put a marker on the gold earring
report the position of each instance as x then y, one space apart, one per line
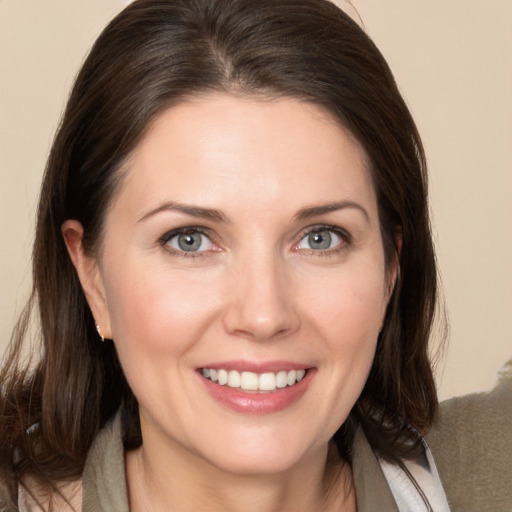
98 328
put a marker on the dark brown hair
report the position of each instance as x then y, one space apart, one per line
152 55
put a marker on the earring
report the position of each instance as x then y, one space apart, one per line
98 328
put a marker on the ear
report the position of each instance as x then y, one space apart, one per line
394 264
89 275
393 271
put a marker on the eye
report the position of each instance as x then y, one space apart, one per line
189 240
321 239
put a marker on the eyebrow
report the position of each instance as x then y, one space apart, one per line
194 211
218 216
315 211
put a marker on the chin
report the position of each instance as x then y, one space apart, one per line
260 454
247 464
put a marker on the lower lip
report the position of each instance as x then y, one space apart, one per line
258 403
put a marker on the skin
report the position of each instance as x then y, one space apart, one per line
257 290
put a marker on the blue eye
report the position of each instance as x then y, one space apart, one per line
190 240
320 239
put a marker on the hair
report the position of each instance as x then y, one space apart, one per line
152 55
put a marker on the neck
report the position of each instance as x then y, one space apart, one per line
322 482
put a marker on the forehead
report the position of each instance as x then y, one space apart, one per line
222 147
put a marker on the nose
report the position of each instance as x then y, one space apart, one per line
262 305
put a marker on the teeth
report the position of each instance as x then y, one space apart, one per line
250 381
267 382
234 379
281 379
222 376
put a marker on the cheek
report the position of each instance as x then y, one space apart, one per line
344 317
352 326
156 310
158 319
350 307
347 316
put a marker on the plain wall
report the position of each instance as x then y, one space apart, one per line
453 62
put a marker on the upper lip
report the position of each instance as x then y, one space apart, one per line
257 366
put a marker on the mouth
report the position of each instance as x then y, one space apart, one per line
251 382
257 388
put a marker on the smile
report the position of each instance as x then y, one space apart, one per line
249 381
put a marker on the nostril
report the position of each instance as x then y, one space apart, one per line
262 306
262 327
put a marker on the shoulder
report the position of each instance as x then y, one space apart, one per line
472 446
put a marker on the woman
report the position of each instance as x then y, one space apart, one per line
234 275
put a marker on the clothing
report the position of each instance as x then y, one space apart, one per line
472 447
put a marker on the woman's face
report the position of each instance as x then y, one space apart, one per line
243 244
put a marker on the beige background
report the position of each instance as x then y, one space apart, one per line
453 61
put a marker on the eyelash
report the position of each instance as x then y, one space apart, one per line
165 239
342 234
345 237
